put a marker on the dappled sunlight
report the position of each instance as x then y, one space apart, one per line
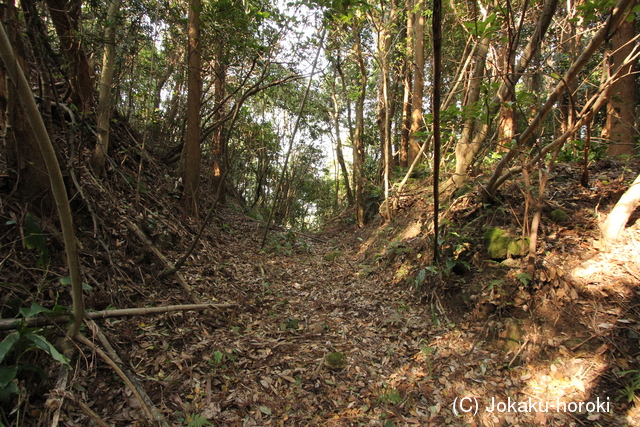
611 268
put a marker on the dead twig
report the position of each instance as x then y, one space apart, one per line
121 374
116 358
41 321
140 234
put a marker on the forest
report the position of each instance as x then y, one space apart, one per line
319 213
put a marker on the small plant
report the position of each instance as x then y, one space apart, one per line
196 420
390 395
422 274
427 351
524 278
17 345
632 387
34 239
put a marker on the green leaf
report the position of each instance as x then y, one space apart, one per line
45 345
65 280
34 368
422 274
7 391
265 410
7 374
34 239
33 311
8 343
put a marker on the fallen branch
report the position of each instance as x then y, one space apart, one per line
121 374
169 266
183 259
134 381
123 312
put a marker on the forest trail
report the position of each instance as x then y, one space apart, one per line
350 327
308 302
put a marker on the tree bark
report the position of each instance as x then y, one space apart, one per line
407 79
418 83
191 166
65 15
103 119
339 153
464 151
23 155
619 128
358 135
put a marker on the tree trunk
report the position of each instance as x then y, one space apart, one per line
465 158
65 15
386 21
339 154
418 83
617 219
106 79
23 155
408 89
437 83
358 136
191 166
219 142
464 151
619 128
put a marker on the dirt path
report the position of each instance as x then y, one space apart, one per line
402 361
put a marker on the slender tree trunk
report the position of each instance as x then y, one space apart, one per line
218 142
418 83
386 21
106 79
437 83
464 151
619 128
466 154
191 172
407 79
339 154
358 141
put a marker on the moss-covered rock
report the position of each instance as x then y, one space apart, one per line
335 361
501 244
559 215
332 255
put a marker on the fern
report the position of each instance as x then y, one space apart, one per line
198 421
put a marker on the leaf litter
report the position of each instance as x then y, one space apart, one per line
408 348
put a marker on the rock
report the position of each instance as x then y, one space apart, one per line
559 215
335 361
332 255
501 244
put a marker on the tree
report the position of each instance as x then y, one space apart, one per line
358 134
23 156
65 15
619 128
191 165
418 82
103 119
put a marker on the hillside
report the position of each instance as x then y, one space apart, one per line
346 326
